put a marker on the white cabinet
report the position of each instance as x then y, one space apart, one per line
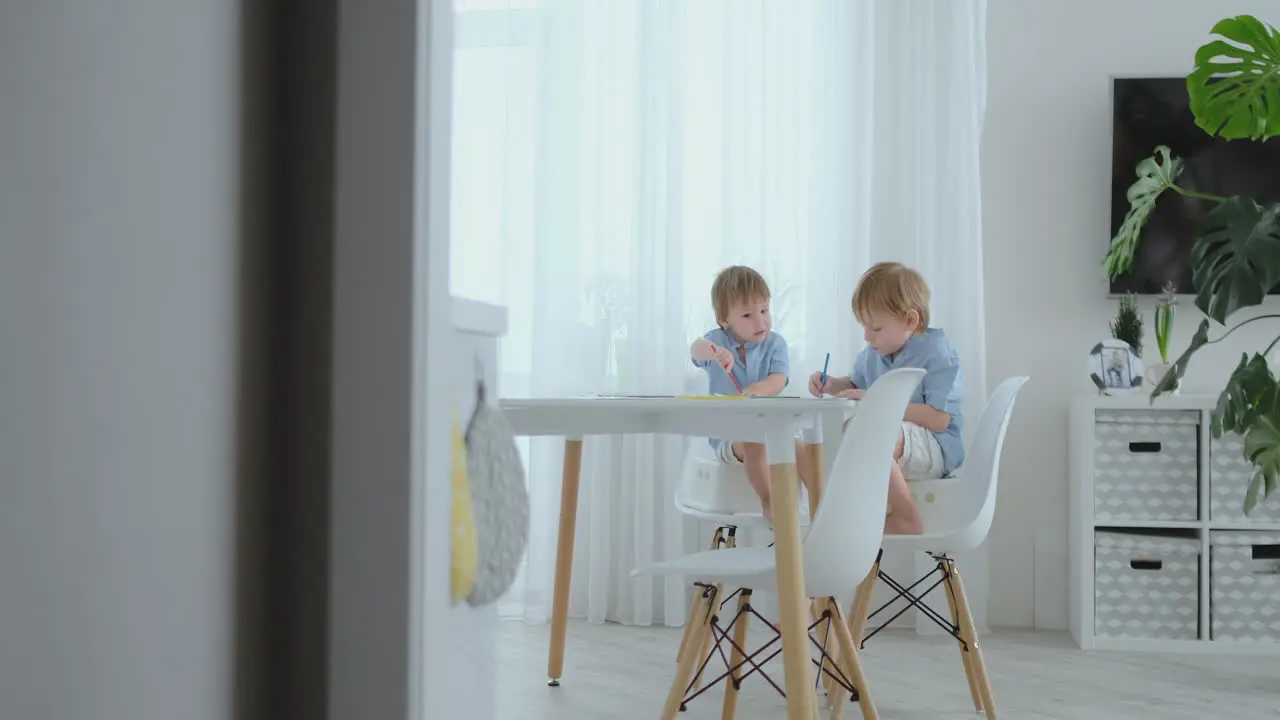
1162 556
473 631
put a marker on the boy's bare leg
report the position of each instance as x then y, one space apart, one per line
807 472
756 462
903 517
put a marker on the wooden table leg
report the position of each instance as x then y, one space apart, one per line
801 699
564 557
817 480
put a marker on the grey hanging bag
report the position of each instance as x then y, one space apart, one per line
499 500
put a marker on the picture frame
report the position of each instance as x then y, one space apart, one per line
1114 368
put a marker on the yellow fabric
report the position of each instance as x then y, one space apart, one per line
464 553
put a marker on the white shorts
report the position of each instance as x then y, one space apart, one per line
724 453
921 453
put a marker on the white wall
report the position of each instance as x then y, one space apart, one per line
390 652
1046 178
124 258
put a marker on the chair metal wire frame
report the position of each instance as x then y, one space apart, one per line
942 568
828 670
966 637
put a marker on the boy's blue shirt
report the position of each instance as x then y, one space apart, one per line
763 359
942 387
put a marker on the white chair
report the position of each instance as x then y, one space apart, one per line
842 543
718 493
714 492
957 524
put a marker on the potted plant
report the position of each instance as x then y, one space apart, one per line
1127 325
1164 329
1236 258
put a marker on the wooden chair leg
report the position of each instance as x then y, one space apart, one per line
969 634
689 624
729 541
825 631
833 649
862 604
944 566
857 616
708 640
689 661
690 621
851 666
730 707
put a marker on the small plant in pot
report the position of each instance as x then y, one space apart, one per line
1235 94
1127 325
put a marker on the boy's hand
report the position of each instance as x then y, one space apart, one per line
834 386
723 358
853 394
817 385
704 350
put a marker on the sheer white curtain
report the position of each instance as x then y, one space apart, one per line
610 156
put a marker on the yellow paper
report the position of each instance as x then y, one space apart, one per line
464 554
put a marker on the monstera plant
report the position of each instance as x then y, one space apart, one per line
1235 94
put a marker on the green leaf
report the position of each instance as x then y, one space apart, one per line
1155 175
1235 87
1174 376
1238 404
1236 259
1262 448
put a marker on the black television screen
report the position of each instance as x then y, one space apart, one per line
1149 112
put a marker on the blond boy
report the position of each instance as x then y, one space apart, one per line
744 346
891 303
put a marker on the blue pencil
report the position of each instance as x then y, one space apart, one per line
825 365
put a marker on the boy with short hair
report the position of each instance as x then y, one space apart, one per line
891 302
744 345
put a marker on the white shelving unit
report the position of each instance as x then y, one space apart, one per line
472 632
1150 478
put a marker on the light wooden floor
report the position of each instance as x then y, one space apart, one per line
613 671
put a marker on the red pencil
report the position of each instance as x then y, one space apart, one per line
734 379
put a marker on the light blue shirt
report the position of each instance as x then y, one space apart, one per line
942 387
762 359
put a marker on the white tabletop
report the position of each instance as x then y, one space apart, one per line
660 403
748 419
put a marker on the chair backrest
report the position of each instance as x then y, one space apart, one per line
981 471
846 532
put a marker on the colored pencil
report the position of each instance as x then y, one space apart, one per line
825 365
734 379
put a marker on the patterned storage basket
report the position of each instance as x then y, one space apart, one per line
1229 475
1244 574
1146 465
1146 586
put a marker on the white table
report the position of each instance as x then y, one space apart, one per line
773 421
